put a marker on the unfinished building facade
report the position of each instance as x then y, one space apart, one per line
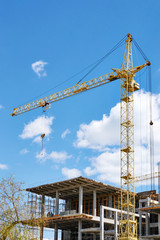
82 208
73 206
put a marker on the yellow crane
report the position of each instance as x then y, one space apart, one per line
127 224
147 176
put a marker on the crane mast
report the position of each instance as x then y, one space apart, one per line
127 224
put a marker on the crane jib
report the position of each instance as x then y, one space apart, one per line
96 82
44 102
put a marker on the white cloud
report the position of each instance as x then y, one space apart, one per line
90 171
106 165
38 68
57 157
104 135
64 134
37 139
24 151
99 134
42 156
35 128
3 167
71 173
1 106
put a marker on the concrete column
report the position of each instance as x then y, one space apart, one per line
94 203
147 204
79 230
140 204
68 205
43 205
94 209
159 224
57 203
42 215
94 234
55 232
101 223
110 205
147 224
66 235
80 200
115 226
159 178
140 224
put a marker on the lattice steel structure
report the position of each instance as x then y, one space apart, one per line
128 225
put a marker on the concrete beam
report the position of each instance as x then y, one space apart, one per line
106 220
90 230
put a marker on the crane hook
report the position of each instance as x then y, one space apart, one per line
151 123
42 136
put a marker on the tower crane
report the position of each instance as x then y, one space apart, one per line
127 224
146 176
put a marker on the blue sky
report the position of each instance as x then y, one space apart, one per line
44 43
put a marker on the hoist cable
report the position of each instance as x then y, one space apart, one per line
151 131
140 50
151 122
103 58
58 85
146 128
96 63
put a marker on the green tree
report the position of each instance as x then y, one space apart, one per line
13 210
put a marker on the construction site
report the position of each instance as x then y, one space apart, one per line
86 209
82 208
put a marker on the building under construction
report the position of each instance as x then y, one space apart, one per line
82 208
